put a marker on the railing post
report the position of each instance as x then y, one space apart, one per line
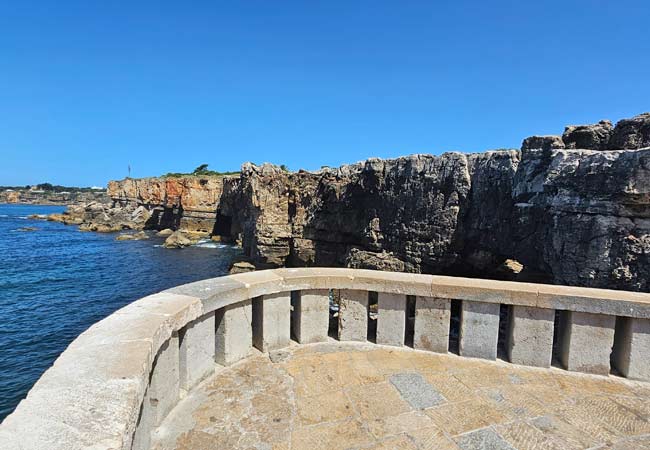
311 315
144 426
391 319
632 348
164 384
530 336
479 329
234 334
353 315
272 321
197 350
432 319
586 341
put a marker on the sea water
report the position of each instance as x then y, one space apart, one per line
56 281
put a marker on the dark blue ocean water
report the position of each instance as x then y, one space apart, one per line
57 281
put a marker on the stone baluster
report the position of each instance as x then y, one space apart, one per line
479 329
272 321
353 315
586 341
311 315
632 348
391 319
197 350
234 333
432 319
530 336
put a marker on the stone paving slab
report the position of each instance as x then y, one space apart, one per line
354 396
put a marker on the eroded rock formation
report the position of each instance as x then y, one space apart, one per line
570 216
185 203
571 209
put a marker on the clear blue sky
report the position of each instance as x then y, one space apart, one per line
88 87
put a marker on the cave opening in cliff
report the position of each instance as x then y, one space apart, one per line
222 225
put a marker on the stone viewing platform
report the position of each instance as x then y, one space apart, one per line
407 361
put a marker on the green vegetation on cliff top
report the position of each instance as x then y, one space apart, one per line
202 170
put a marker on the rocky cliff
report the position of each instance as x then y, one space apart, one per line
186 203
571 209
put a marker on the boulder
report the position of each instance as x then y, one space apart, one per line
360 259
241 267
631 133
166 232
590 137
542 143
177 239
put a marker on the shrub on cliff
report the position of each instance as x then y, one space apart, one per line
202 170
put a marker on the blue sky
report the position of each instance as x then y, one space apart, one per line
87 88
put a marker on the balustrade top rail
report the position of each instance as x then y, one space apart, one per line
92 395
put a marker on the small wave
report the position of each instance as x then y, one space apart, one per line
207 243
4 215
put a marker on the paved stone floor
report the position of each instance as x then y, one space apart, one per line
363 396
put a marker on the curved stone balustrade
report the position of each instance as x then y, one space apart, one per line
118 380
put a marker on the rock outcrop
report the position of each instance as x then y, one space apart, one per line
583 216
595 136
550 212
186 203
417 213
178 239
571 209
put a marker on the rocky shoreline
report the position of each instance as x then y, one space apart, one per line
571 209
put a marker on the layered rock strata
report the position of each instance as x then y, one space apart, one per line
569 216
571 209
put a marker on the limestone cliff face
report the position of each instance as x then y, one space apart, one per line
572 209
187 203
584 216
429 212
570 216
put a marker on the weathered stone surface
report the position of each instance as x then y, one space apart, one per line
415 390
479 329
631 354
271 321
583 217
594 137
631 133
586 341
391 319
197 350
530 336
329 396
311 315
567 216
234 334
177 239
163 390
431 328
545 143
353 315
